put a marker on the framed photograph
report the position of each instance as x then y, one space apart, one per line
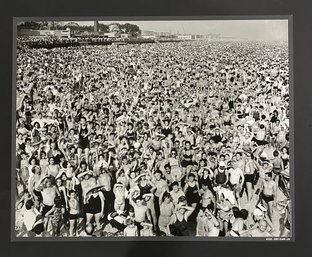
153 129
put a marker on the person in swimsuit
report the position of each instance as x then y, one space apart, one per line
74 211
83 141
224 213
249 173
176 192
63 193
212 224
147 229
160 185
166 211
104 179
176 169
149 202
269 193
191 190
236 180
285 157
131 229
238 225
48 192
56 216
208 199
187 158
278 167
141 212
120 196
221 176
178 225
146 186
263 228
52 169
205 177
34 184
94 207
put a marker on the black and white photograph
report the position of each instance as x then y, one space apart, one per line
152 129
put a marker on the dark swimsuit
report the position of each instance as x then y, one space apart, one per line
166 131
220 178
145 190
83 142
94 205
267 198
206 181
179 228
187 160
191 196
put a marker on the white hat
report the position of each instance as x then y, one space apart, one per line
94 189
257 212
138 177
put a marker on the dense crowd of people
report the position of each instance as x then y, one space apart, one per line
171 139
50 42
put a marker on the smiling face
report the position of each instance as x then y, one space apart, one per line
51 161
59 182
263 225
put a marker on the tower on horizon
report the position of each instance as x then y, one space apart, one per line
96 26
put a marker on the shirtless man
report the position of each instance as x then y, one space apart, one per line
34 184
269 193
207 198
236 180
262 229
105 180
176 192
140 211
160 185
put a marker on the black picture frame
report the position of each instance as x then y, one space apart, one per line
302 123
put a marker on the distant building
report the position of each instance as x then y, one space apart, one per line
112 34
148 34
45 33
186 37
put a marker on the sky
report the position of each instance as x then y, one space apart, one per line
244 29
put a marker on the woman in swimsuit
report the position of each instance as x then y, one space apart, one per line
191 190
178 225
166 211
83 141
205 177
52 169
285 156
176 169
94 207
187 157
120 197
